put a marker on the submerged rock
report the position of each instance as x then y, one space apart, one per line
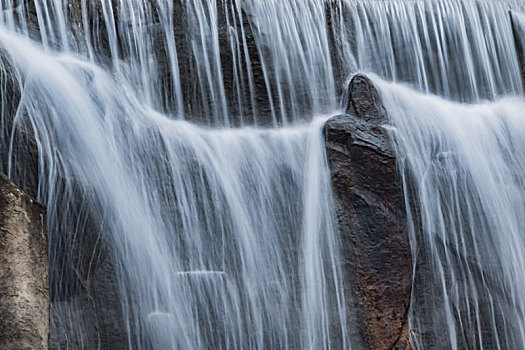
372 219
24 287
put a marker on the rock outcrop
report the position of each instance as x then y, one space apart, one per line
372 219
24 287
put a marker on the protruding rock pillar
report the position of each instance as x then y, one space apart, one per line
24 291
372 219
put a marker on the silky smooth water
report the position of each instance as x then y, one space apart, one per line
225 237
464 166
272 63
222 62
461 50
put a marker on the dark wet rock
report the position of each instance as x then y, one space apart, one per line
18 148
372 219
24 289
92 317
518 30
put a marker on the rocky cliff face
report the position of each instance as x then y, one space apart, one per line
24 287
372 219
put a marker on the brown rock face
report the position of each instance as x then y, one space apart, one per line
372 219
24 291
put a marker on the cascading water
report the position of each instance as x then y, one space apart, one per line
220 239
226 238
463 50
466 164
223 62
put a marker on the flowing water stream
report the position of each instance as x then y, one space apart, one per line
147 123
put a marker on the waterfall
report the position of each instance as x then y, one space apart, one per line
223 238
274 63
178 146
262 62
466 165
461 50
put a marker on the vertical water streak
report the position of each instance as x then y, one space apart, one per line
295 58
461 50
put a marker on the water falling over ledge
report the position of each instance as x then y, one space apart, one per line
172 198
465 164
120 116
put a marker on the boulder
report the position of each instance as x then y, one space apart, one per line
24 287
370 209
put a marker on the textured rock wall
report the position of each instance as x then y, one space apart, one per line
24 291
372 219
